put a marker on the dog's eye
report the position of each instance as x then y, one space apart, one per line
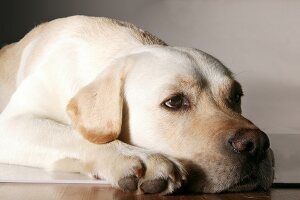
236 99
177 102
236 94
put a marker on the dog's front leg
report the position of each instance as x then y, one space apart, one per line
35 141
129 168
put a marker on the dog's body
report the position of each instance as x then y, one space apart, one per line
71 86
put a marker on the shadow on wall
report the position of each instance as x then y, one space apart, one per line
274 97
19 17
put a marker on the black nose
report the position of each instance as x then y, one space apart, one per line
249 141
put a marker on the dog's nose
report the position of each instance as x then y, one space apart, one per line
250 141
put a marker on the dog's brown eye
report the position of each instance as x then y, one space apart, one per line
236 99
236 94
177 102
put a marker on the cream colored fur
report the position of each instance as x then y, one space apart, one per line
83 94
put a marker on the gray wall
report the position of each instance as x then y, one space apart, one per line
259 40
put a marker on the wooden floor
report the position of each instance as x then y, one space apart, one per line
13 191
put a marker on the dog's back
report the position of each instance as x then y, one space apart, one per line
13 56
9 61
10 57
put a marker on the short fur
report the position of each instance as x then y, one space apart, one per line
85 94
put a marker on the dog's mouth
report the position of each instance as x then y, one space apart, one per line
247 183
256 179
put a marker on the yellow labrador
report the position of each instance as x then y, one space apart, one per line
107 99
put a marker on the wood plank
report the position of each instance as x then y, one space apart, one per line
17 191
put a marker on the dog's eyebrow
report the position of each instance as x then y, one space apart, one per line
188 82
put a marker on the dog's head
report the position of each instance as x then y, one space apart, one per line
181 102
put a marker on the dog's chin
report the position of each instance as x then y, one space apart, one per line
253 182
250 184
247 184
230 181
225 175
261 180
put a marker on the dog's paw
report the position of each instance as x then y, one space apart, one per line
145 173
163 175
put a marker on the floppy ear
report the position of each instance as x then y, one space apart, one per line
96 110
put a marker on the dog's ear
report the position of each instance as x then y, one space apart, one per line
96 110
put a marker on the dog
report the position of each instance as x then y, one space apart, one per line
104 98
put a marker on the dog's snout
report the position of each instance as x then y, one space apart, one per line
250 141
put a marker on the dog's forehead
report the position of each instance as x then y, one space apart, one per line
209 68
178 65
